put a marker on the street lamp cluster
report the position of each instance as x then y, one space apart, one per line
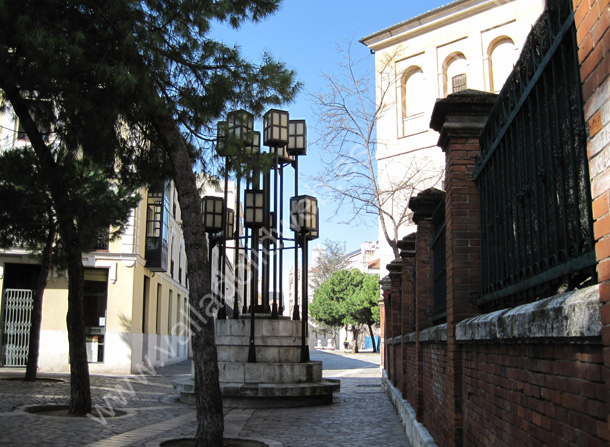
263 216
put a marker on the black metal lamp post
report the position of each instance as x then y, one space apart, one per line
297 145
304 221
275 136
254 218
232 135
212 208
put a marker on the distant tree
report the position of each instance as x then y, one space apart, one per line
347 112
348 297
331 260
362 307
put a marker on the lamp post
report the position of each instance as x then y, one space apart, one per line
304 221
212 208
275 136
297 145
286 139
254 218
233 135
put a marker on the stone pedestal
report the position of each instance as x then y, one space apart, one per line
277 379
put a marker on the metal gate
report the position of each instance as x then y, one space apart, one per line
17 305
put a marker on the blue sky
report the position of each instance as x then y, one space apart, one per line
304 34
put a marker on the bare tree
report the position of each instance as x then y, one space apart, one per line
347 114
330 260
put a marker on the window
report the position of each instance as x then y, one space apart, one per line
458 82
153 214
502 57
412 92
95 303
169 312
145 303
455 69
159 308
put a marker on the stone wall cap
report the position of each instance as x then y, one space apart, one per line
395 266
425 203
571 315
464 103
434 334
407 245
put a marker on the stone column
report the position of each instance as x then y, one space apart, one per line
460 118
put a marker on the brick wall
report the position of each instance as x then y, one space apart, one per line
411 378
523 395
592 20
515 390
435 392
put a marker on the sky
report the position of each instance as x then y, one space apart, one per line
304 35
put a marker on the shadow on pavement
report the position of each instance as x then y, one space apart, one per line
341 361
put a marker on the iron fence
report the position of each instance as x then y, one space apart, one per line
536 222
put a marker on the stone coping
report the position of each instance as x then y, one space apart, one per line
410 337
434 334
574 315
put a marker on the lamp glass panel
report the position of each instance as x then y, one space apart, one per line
258 215
249 217
259 200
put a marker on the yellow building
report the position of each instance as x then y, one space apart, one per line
136 296
136 291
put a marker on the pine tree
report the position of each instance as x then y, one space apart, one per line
147 70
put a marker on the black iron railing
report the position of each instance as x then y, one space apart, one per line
439 312
536 223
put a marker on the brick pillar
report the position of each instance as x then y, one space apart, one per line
407 253
592 21
384 303
460 119
395 269
423 206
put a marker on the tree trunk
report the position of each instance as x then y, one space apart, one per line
80 390
210 422
34 344
355 333
372 338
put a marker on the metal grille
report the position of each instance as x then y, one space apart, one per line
439 312
18 305
536 223
459 83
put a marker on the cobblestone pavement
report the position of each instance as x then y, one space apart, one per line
361 414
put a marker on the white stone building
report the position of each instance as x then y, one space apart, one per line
465 44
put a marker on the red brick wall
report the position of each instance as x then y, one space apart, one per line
407 318
592 20
411 383
522 395
435 392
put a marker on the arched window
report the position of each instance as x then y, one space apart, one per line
455 70
413 88
502 57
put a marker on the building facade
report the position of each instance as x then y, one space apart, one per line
467 44
495 316
136 287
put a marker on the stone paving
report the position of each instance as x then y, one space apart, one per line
361 414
